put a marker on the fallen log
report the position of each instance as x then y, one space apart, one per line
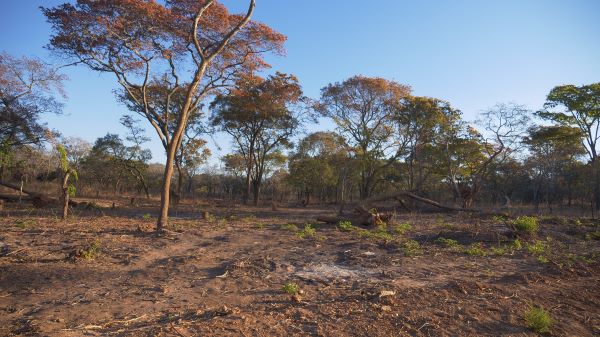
363 217
413 196
360 217
37 199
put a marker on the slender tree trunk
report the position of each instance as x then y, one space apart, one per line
248 188
256 185
179 181
163 217
65 195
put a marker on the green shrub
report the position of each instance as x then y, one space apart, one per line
402 228
450 243
411 248
526 224
476 249
498 250
380 232
539 247
290 288
538 319
346 226
92 251
308 231
517 245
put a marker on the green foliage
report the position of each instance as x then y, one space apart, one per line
402 228
290 227
517 245
260 225
476 249
538 319
92 251
71 190
290 288
526 224
499 250
450 243
62 152
538 248
379 233
411 248
147 216
308 231
346 226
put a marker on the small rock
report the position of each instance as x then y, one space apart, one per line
386 308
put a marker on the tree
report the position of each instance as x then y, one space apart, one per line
421 123
363 109
581 109
469 154
553 150
320 164
261 115
192 155
66 171
27 90
151 48
110 153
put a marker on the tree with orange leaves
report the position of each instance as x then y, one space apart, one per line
184 48
261 115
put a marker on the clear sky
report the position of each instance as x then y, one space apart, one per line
473 53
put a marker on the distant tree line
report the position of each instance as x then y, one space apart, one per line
190 69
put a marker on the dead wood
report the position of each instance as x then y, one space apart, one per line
37 199
361 216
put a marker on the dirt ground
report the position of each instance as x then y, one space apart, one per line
104 273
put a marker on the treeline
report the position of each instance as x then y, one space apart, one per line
190 68
386 140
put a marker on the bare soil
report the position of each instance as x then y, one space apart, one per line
104 272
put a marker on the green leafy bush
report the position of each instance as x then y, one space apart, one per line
450 243
526 224
538 248
538 319
92 251
308 231
402 228
380 232
346 226
476 249
411 248
290 288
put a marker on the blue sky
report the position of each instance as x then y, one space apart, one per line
472 53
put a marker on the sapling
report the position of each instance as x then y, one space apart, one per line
67 189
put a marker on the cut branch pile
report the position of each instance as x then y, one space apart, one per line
37 199
361 216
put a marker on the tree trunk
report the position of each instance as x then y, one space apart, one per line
163 217
256 190
65 195
248 188
179 181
